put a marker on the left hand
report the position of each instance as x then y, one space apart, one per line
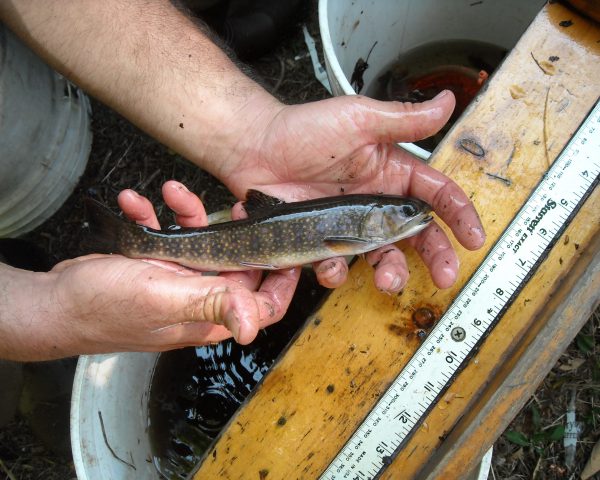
347 145
271 293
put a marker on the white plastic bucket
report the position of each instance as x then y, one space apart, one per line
350 29
45 138
109 417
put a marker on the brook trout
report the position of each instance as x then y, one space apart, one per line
275 235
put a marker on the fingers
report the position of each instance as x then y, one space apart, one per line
241 302
138 208
449 201
188 208
434 248
276 290
238 212
241 312
203 304
275 294
249 279
391 269
331 273
436 251
386 122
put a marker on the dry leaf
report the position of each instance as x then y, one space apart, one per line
572 364
593 464
516 92
547 67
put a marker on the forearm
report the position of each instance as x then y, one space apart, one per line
152 64
24 314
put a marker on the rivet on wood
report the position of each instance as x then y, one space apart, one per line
423 318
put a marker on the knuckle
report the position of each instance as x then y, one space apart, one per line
207 308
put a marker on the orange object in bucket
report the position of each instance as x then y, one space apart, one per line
463 81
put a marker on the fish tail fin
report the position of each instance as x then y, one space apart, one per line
105 228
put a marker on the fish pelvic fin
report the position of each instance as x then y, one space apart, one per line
261 266
104 228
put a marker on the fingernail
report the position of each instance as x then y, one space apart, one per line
442 94
326 266
232 322
396 283
450 274
481 233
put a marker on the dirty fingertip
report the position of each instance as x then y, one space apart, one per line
390 281
445 277
479 236
238 211
241 328
331 273
470 231
442 94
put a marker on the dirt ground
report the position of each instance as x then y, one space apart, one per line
123 157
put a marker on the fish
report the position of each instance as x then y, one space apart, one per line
275 235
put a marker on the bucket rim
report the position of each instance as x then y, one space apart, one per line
331 61
75 417
330 54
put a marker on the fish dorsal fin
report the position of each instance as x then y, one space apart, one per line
259 203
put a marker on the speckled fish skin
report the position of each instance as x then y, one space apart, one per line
280 234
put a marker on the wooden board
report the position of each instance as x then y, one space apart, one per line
358 341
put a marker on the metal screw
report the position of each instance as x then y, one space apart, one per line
458 334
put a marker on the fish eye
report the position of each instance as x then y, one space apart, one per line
409 210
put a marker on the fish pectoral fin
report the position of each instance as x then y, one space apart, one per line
345 245
261 266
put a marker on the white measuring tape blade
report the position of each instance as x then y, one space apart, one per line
477 308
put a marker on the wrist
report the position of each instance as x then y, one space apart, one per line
28 319
237 139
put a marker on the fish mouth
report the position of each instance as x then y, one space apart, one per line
426 220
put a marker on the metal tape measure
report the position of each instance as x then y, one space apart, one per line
481 303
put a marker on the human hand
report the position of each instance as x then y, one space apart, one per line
112 303
347 145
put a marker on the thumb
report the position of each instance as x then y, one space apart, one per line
386 122
236 309
205 300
